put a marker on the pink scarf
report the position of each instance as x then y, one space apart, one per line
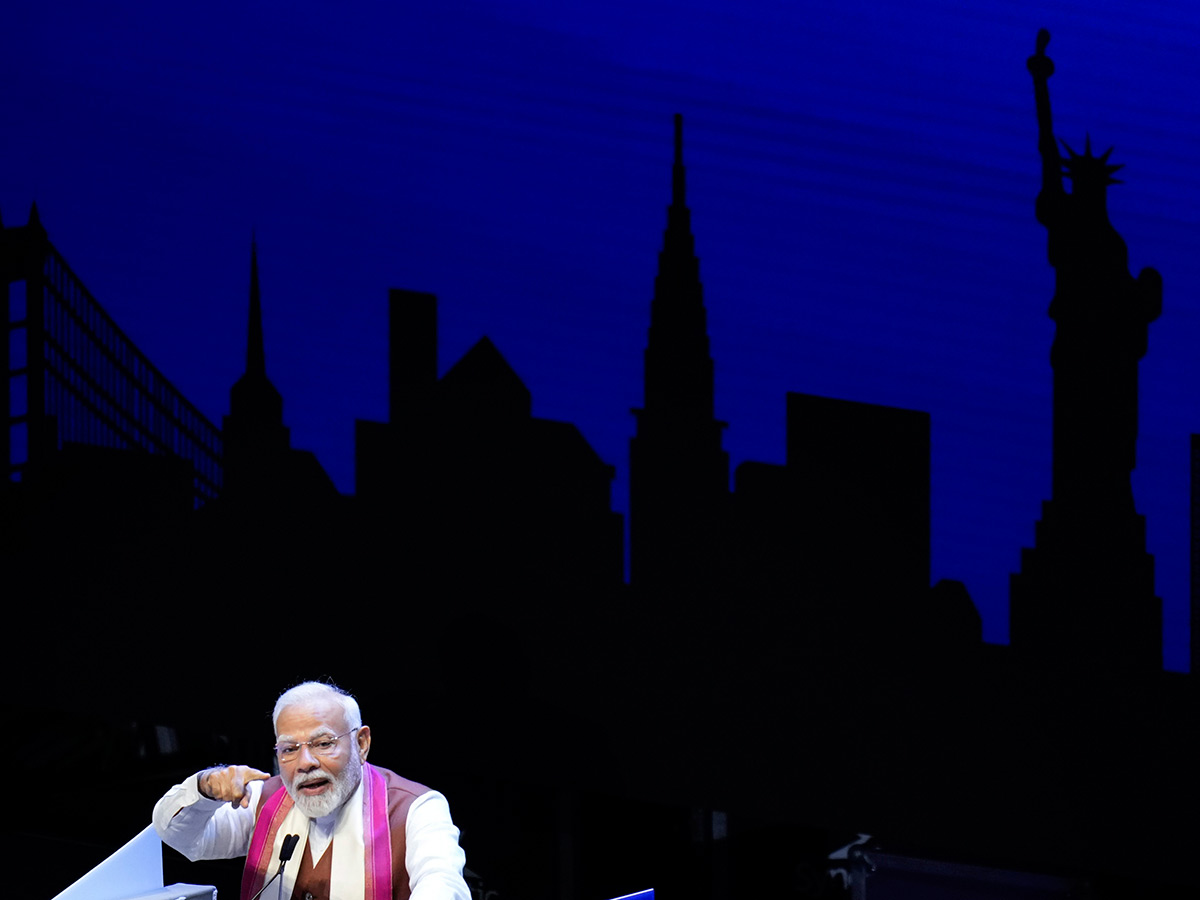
377 838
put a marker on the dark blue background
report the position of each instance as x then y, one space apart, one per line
861 175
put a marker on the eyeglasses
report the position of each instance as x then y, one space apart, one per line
322 746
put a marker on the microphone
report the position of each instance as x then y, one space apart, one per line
285 853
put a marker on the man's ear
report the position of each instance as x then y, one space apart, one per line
364 741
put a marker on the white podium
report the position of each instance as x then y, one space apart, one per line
134 873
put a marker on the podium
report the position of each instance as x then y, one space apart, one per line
134 873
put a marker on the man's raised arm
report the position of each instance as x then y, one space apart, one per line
211 814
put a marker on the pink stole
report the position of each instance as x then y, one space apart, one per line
377 838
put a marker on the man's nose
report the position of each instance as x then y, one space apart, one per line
306 760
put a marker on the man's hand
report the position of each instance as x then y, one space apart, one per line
229 783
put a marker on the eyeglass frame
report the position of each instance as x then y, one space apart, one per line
279 753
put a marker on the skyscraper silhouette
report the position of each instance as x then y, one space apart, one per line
470 482
74 379
678 471
260 465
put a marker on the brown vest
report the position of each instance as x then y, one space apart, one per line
312 882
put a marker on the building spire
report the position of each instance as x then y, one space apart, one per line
679 473
256 439
678 174
256 360
253 397
678 364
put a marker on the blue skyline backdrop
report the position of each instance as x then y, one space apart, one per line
861 179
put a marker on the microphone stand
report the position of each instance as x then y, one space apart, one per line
285 853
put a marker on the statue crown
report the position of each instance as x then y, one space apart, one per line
1087 170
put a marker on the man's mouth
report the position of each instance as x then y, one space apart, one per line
313 786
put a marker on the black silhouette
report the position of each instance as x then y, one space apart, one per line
678 473
777 676
261 468
1088 587
465 473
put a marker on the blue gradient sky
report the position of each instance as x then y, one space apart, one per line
861 176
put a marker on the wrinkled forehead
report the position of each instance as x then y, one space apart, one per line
309 719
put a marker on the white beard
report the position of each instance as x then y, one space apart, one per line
331 800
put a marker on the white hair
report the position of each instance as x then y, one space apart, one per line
309 691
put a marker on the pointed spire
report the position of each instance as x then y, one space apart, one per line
255 420
678 364
678 253
256 362
33 215
679 473
678 182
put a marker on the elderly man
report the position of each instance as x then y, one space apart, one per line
364 832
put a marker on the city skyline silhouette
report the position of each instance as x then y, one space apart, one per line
842 235
808 637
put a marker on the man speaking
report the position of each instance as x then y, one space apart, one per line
364 832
